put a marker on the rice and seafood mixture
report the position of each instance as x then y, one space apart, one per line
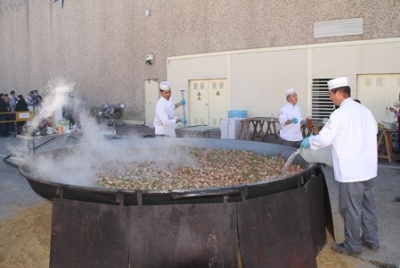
208 168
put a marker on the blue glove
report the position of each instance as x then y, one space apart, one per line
294 120
183 120
305 143
182 102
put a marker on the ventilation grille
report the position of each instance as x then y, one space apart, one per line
338 28
322 105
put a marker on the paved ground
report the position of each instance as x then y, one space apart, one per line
16 194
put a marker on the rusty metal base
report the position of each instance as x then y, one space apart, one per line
201 235
284 229
275 231
87 234
98 235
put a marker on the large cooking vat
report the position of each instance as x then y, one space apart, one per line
280 223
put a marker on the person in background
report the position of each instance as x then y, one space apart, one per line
6 99
68 110
29 100
37 99
10 117
13 102
164 119
352 132
290 120
397 115
21 106
4 108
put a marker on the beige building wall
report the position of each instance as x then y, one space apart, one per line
100 45
259 78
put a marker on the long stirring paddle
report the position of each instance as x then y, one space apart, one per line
184 115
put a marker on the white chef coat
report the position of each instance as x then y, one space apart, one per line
352 131
164 120
290 132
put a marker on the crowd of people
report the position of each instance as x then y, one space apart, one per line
11 103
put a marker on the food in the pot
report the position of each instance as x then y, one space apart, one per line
211 168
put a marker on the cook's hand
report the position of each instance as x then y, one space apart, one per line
182 102
294 120
393 110
305 143
183 120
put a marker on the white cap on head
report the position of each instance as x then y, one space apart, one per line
338 82
397 105
289 91
165 85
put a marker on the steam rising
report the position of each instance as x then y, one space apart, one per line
78 160
78 165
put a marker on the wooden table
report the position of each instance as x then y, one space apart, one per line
271 126
313 129
385 141
258 127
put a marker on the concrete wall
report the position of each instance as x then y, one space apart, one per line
100 45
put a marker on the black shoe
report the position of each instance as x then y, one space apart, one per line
339 248
370 247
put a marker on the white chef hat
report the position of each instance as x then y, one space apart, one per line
396 104
165 85
289 91
338 82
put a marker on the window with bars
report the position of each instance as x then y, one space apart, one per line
322 105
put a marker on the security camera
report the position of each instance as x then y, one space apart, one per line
150 59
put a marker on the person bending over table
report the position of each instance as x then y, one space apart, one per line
290 120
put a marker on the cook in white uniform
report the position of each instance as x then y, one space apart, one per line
164 119
397 115
352 132
290 120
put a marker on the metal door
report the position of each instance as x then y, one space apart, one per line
208 102
217 101
378 92
152 94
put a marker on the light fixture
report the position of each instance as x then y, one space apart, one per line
150 59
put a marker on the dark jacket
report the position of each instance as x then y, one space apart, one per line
3 106
21 106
